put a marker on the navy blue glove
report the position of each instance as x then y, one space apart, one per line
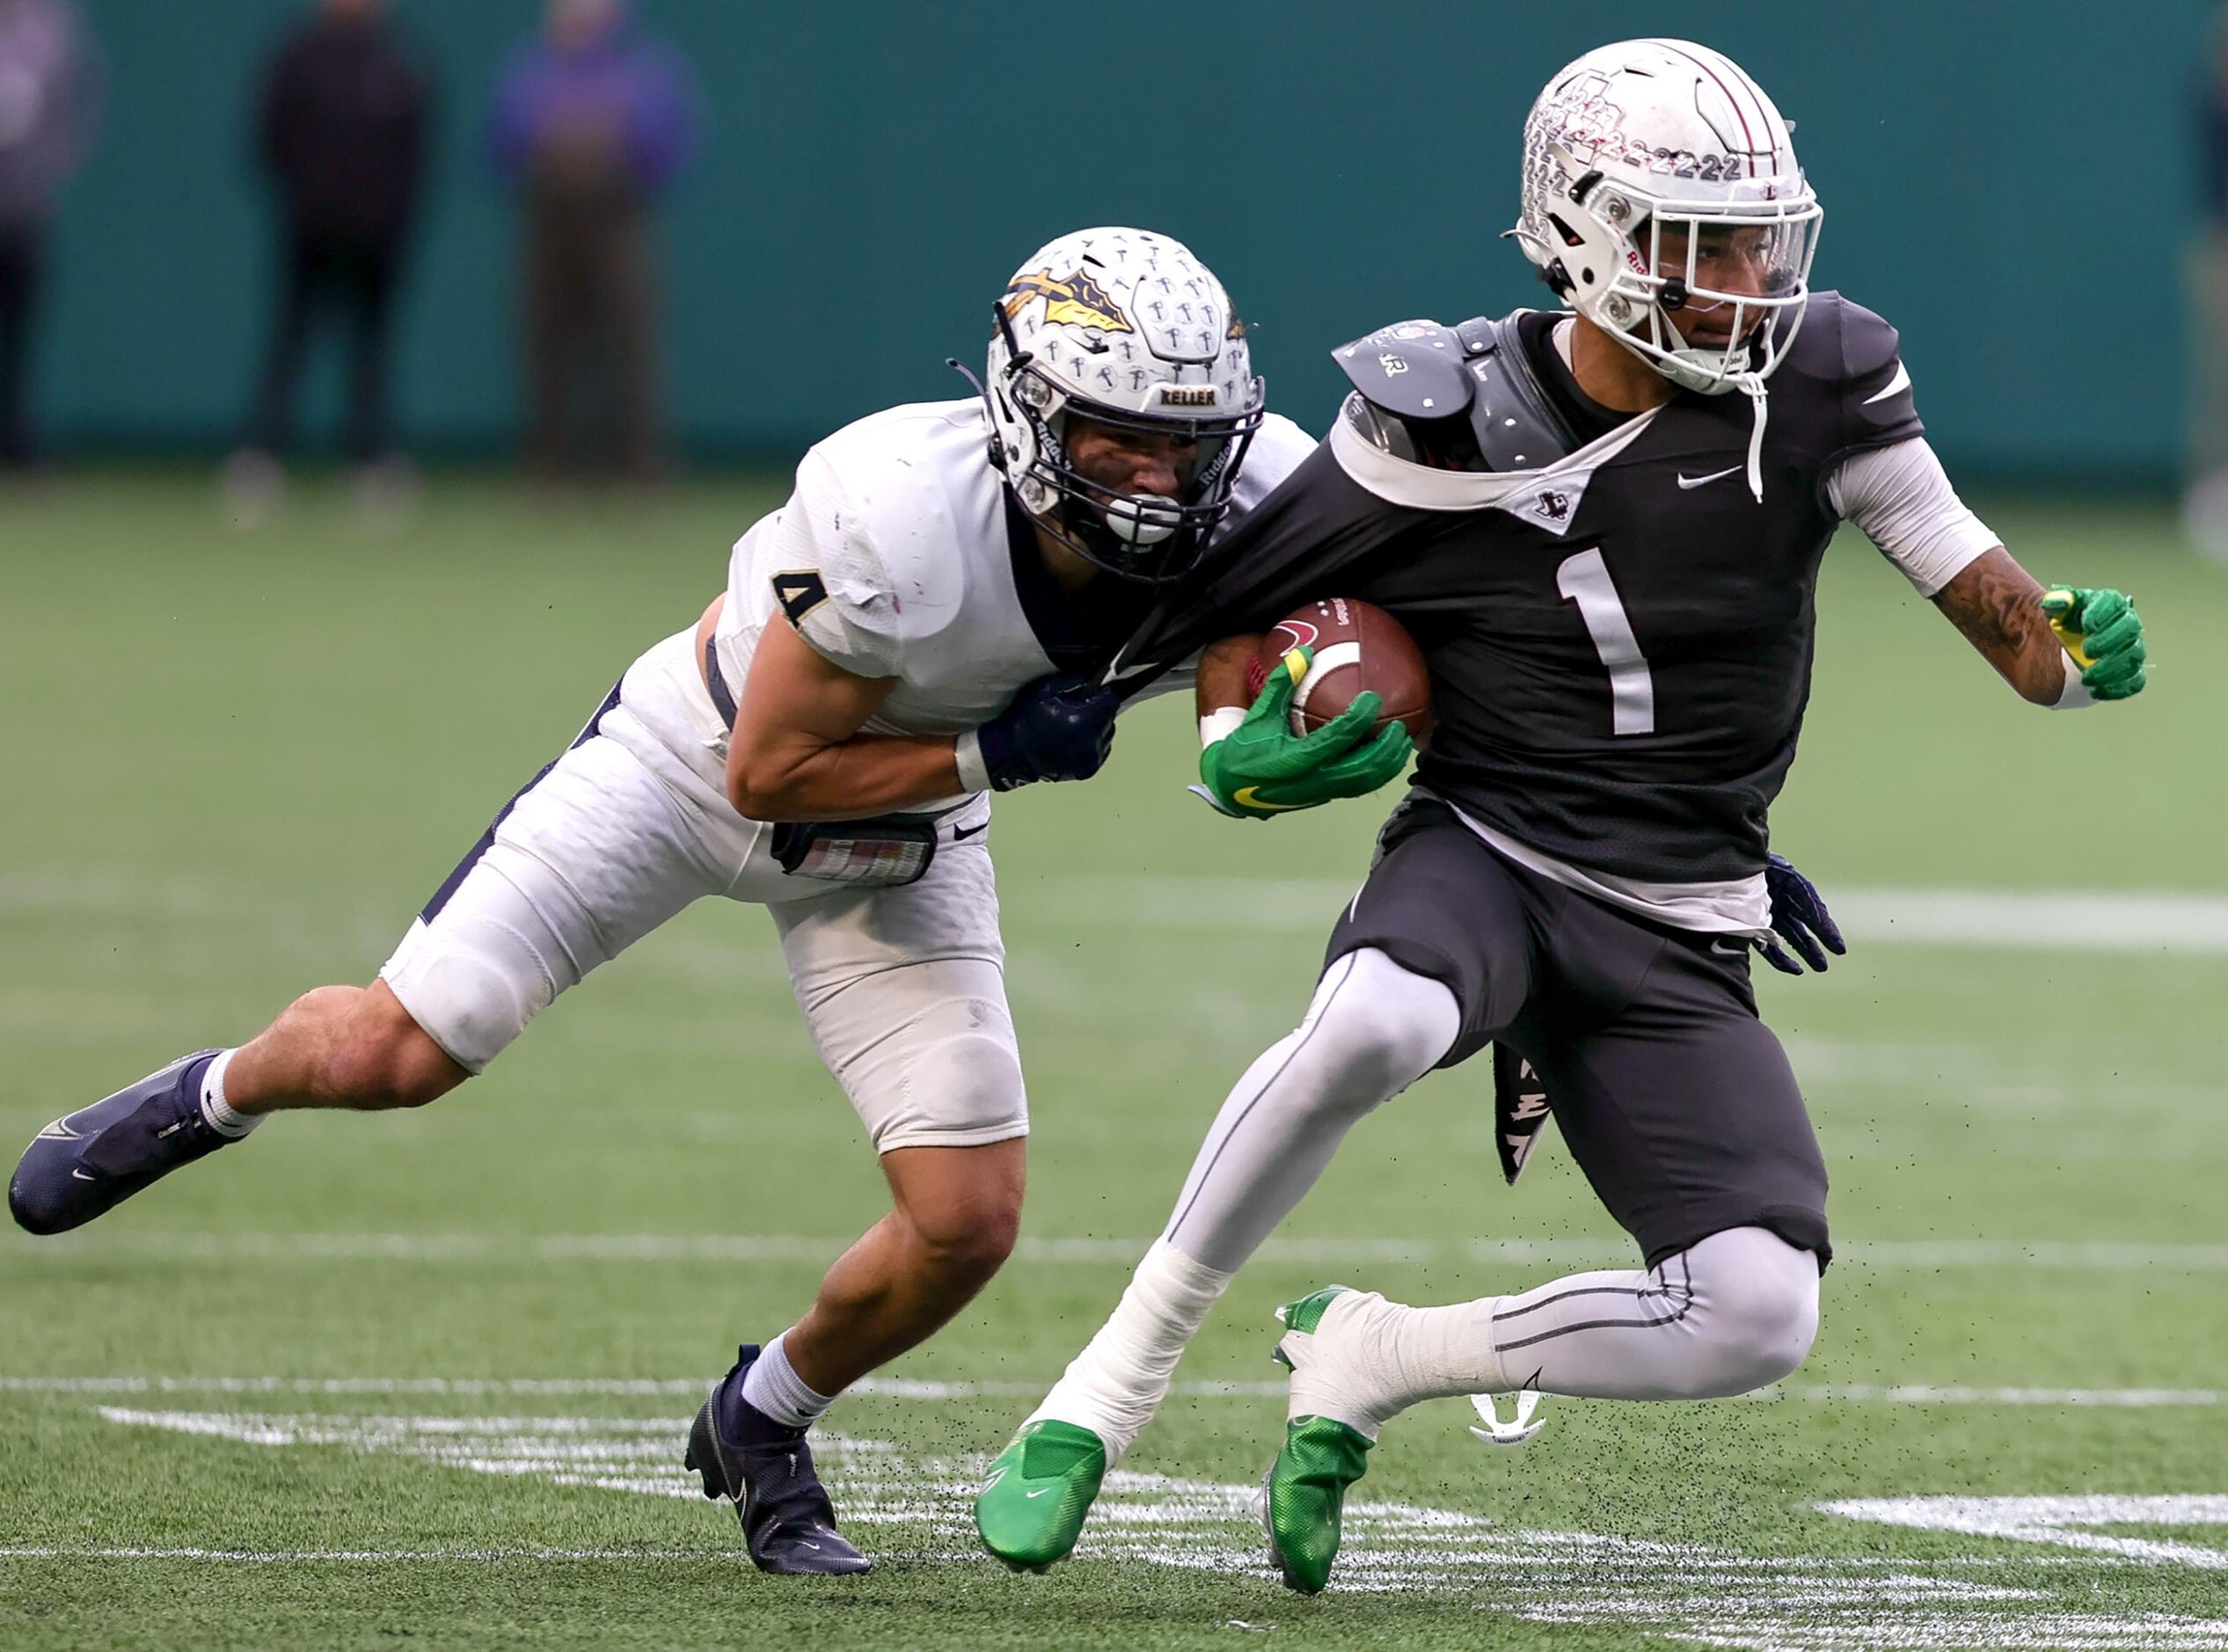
1057 728
1799 917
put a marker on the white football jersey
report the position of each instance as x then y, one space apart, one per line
892 558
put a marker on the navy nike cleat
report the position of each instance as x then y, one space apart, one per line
87 1162
788 1523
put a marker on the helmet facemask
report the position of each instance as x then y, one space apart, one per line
1151 537
1697 288
1654 272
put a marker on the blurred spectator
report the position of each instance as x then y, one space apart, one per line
591 123
2205 505
51 81
340 129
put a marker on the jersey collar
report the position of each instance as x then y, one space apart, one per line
1080 631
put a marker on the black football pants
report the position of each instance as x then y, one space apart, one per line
1677 1102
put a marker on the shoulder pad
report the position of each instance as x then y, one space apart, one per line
1853 362
1412 369
1516 424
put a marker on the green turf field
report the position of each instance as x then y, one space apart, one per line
424 1379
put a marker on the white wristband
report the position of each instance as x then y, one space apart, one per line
2076 693
967 753
1218 723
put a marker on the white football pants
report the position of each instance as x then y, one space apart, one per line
903 988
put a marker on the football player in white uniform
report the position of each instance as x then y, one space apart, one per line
929 619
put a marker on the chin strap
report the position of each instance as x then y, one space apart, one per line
1752 385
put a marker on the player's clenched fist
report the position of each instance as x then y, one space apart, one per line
2103 632
1057 728
1261 768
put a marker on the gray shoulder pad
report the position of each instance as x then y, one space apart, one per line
1412 369
1516 421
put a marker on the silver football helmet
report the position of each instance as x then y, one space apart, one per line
1663 201
1128 329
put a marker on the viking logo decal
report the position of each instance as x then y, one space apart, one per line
1077 300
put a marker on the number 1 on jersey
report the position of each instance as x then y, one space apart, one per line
1584 579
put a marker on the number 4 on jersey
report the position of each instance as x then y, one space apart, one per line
798 592
1584 579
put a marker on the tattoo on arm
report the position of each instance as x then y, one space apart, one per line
1997 604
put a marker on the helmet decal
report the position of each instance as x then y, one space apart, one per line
1138 339
1074 300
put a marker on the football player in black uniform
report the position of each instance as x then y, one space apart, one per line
1610 563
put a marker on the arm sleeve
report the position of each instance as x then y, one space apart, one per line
1901 499
829 580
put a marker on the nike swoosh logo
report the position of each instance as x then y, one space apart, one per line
1901 382
808 1543
82 1176
1733 951
959 833
1701 481
1040 1491
1245 799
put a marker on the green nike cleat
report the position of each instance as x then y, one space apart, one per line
1304 1494
1032 1502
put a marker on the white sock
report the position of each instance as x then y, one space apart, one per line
223 1118
1117 1384
772 1387
1388 1356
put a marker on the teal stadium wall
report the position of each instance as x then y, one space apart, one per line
2011 181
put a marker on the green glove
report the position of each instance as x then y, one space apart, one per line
1261 768
2103 632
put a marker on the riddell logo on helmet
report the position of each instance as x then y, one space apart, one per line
1075 300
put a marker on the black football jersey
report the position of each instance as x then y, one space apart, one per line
1618 631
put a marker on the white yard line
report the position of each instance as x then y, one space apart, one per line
2020 920
2064 1522
469 1248
1687 1593
1925 1394
107 1552
934 1390
2176 921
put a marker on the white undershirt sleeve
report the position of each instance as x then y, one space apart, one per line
1901 499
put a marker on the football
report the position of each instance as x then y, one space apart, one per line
1357 646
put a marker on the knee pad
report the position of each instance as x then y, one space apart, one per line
471 984
1380 1025
1758 1297
967 1078
927 1054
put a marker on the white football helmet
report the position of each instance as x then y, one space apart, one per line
1128 329
1654 150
